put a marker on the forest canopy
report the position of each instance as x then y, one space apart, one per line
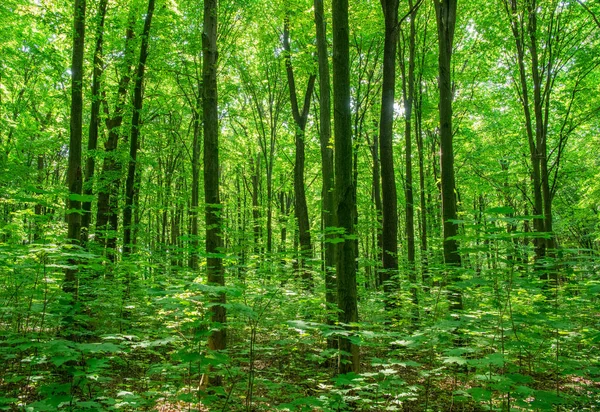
299 205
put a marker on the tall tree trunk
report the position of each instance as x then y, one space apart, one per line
254 190
300 118
422 190
388 180
379 277
214 267
533 134
94 121
346 255
541 96
109 183
408 93
193 259
74 175
327 170
130 186
445 11
421 156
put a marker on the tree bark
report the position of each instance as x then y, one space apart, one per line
193 253
94 122
300 118
109 182
408 93
346 254
130 187
327 170
388 180
214 266
421 156
74 174
533 121
445 11
378 205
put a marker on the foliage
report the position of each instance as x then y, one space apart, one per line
135 336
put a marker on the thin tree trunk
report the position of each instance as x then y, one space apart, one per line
94 122
74 175
346 255
214 265
193 259
420 151
327 170
109 183
388 180
300 118
130 186
408 91
518 30
445 11
376 194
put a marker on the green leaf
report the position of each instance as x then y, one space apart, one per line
455 359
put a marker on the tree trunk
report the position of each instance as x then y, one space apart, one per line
422 191
421 156
379 277
346 255
300 118
94 122
327 170
130 186
388 180
74 175
214 266
109 183
408 91
445 11
193 253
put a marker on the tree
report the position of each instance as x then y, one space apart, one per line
214 262
386 123
408 96
109 182
94 120
327 169
345 201
136 125
445 12
545 44
74 174
300 116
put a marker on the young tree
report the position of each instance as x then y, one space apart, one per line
345 201
546 47
214 262
300 118
327 170
445 12
74 174
109 181
408 95
386 123
94 121
135 133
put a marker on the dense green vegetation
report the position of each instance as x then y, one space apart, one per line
287 205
